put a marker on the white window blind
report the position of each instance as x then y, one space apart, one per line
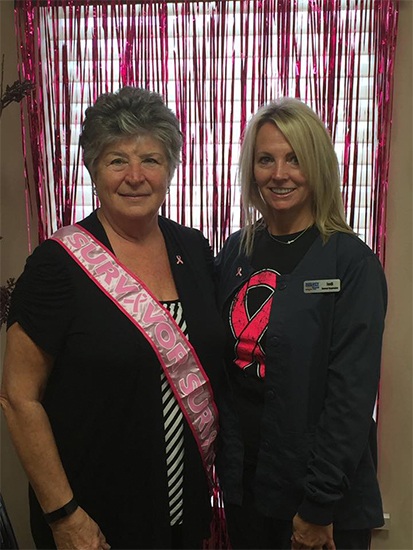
235 78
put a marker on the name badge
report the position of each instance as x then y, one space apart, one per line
322 285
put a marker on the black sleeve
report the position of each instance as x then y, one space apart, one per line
43 298
342 433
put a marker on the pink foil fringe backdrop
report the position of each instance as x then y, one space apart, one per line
214 63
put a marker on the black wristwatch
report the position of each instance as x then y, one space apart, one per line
62 512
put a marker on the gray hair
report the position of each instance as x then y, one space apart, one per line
312 144
129 112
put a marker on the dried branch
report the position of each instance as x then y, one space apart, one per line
14 93
5 295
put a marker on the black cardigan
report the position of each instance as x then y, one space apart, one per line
323 352
103 395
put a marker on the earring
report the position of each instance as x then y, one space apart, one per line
94 190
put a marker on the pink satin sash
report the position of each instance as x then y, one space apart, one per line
179 360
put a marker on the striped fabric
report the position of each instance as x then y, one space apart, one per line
174 431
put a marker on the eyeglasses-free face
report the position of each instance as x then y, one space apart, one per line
132 178
282 184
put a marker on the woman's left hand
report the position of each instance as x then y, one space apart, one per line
78 532
308 535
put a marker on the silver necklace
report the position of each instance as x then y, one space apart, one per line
292 240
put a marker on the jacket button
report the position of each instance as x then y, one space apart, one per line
271 394
282 286
266 445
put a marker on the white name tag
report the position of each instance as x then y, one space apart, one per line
322 285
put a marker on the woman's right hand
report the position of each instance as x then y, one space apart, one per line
78 532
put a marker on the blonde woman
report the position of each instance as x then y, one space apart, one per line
304 301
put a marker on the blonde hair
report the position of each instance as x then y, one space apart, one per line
313 146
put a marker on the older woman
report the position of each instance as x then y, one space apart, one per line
304 301
112 347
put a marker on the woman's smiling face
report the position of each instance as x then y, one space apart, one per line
282 184
131 178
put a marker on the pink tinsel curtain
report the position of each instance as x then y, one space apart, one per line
214 63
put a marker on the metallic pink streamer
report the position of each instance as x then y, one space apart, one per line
275 47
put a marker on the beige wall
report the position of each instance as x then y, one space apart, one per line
395 469
13 249
395 414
